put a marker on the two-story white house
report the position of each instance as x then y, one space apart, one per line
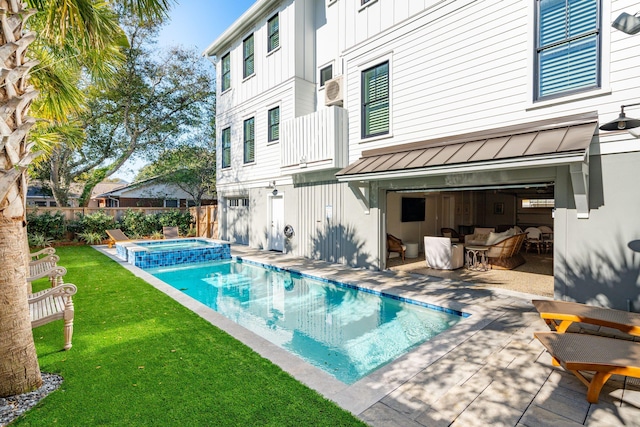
330 113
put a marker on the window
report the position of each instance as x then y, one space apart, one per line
567 47
538 203
273 38
226 72
375 100
238 202
274 124
171 203
249 140
326 74
247 47
226 147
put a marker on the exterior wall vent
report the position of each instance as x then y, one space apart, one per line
333 91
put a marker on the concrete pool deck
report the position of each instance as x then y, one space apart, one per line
486 370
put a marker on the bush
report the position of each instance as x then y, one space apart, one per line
180 219
38 240
91 238
93 223
47 224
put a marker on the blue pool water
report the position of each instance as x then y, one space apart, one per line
344 331
162 253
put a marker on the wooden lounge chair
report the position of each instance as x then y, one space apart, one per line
53 304
170 232
116 235
601 355
559 315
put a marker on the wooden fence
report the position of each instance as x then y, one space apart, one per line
206 217
206 220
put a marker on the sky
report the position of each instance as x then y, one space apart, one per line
193 24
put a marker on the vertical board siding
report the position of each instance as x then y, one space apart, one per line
318 237
314 138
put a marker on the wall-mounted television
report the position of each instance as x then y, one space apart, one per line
413 209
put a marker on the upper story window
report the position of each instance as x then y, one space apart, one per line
226 72
274 124
375 100
247 49
567 47
326 74
226 147
249 140
273 38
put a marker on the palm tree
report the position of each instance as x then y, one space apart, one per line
61 21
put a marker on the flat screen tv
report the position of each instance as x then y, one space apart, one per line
413 209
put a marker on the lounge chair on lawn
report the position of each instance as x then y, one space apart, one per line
116 235
601 355
559 315
53 304
170 232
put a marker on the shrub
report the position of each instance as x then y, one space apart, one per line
92 238
38 240
93 223
180 219
47 224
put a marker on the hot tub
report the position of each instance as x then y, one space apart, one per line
161 253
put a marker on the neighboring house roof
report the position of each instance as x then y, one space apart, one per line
104 187
148 188
39 189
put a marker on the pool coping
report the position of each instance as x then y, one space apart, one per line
369 390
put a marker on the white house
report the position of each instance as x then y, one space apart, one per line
331 112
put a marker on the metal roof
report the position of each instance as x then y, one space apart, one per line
544 138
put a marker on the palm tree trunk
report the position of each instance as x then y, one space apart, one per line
19 370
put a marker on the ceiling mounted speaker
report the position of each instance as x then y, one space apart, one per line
626 23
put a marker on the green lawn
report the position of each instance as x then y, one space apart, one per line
140 358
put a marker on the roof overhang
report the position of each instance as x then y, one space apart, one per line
548 143
239 27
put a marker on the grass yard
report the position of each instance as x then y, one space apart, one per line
139 358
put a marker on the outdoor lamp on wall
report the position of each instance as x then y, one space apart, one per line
629 24
622 122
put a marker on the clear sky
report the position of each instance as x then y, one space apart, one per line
194 24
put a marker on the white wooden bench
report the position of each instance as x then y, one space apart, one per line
53 304
47 267
42 253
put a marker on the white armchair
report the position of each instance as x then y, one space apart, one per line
441 254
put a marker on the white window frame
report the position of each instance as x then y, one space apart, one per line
372 62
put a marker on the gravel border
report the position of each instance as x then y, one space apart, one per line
13 406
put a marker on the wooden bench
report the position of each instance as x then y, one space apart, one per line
53 304
47 267
42 253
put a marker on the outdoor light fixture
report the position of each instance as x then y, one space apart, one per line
629 24
622 122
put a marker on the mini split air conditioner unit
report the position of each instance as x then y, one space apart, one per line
333 91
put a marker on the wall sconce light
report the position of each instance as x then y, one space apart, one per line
622 122
628 24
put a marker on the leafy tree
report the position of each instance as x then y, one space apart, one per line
160 97
66 23
191 168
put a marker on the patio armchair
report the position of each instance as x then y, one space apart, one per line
395 245
54 304
505 252
602 356
450 233
441 254
534 239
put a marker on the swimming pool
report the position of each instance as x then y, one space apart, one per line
160 253
341 329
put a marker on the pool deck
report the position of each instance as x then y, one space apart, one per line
486 370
